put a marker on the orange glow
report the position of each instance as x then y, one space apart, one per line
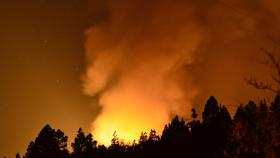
126 114
148 60
138 70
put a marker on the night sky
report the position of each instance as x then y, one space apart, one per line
97 64
41 62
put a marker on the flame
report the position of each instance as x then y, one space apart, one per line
128 113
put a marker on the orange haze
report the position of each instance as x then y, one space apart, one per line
148 60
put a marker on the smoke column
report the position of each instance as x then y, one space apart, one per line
149 59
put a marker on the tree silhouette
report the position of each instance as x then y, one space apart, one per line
153 137
83 146
115 139
117 148
148 145
216 126
143 138
245 130
194 114
254 132
175 132
196 136
211 110
275 127
176 138
274 64
49 143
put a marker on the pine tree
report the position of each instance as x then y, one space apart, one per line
49 143
83 145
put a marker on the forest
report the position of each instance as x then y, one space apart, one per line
252 132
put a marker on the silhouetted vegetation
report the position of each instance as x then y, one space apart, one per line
253 132
273 63
49 144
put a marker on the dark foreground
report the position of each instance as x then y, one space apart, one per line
253 132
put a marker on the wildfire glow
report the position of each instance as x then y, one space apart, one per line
137 67
128 113
148 58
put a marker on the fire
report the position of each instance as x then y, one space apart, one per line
143 56
127 113
137 68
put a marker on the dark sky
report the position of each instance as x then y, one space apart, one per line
41 61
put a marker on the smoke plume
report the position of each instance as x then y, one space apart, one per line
151 59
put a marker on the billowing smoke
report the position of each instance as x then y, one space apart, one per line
150 59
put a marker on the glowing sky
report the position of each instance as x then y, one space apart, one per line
152 59
96 63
